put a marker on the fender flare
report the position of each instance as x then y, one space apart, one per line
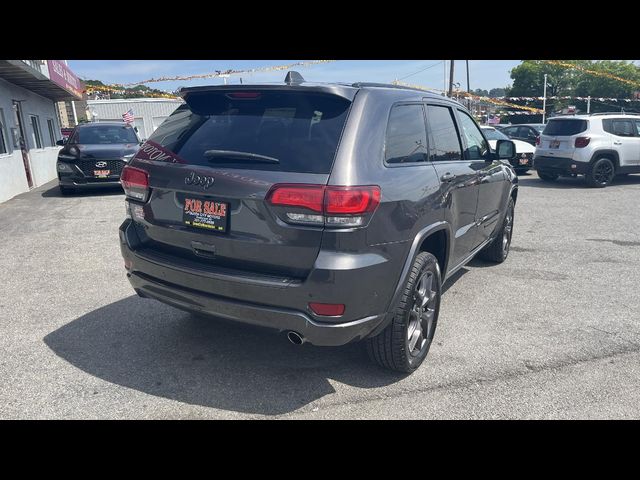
608 152
413 252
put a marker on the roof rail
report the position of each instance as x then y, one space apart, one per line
623 112
390 85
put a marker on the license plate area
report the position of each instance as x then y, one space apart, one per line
205 214
101 173
554 144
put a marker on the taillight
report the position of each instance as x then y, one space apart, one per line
303 196
351 200
582 142
538 140
332 206
135 183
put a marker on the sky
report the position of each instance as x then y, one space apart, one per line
485 74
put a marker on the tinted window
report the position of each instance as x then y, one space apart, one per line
406 135
565 127
444 143
527 132
621 128
477 146
299 130
511 131
638 127
104 135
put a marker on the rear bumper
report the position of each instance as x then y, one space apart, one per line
363 283
322 334
560 165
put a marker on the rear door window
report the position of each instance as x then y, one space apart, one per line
406 140
444 142
565 128
622 128
264 130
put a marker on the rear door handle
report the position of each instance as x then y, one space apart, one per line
448 177
617 143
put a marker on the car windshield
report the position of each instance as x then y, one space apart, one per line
104 135
539 128
493 134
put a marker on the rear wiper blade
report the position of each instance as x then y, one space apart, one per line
231 154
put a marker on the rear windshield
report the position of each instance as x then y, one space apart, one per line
565 127
283 131
104 135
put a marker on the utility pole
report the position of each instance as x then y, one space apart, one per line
589 104
544 99
451 79
468 88
444 77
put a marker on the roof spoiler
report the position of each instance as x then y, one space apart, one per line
293 78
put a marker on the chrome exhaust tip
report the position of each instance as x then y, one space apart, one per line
295 338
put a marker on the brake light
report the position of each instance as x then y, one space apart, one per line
332 206
582 142
538 140
135 183
327 309
244 95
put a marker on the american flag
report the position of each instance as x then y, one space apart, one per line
128 116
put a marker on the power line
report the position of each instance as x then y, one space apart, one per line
426 68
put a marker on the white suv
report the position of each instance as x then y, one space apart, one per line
598 146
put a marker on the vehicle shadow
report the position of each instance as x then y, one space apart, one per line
575 182
150 347
93 192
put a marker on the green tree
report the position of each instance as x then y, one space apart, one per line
598 86
497 92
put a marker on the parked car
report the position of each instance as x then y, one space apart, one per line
523 160
94 155
598 146
332 212
529 132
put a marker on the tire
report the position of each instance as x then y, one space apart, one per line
601 173
521 171
547 177
66 190
498 250
392 348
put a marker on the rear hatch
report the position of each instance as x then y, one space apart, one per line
212 163
559 136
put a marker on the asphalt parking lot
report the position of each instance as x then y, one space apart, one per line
554 332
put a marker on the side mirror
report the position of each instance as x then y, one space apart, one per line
61 142
505 150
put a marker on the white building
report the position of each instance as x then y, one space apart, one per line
29 123
148 113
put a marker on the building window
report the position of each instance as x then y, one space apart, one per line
52 135
4 146
35 127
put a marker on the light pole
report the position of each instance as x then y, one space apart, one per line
544 99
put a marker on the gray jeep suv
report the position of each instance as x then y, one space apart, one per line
331 212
